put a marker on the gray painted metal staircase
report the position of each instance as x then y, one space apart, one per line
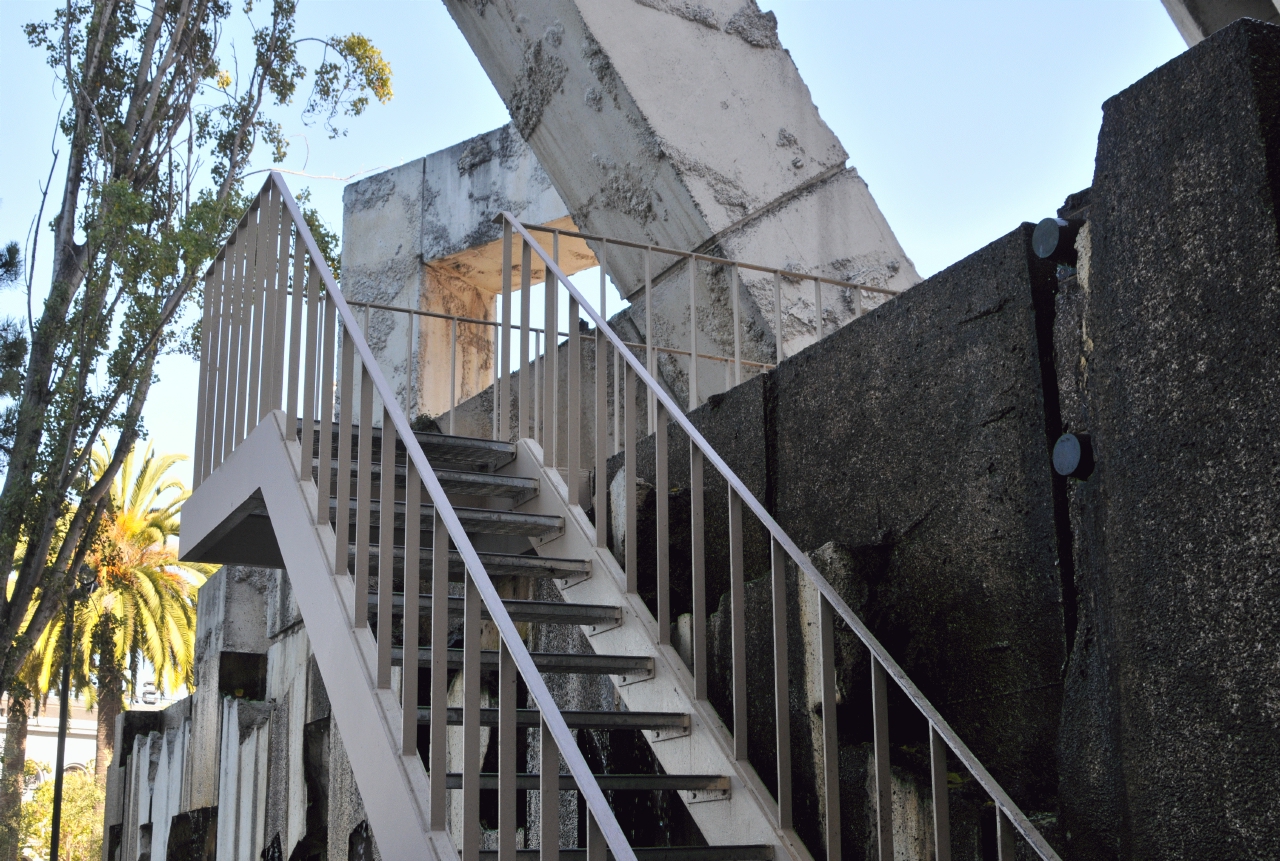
290 461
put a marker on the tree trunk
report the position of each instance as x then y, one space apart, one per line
110 695
12 777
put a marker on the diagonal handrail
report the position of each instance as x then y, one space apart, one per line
537 688
922 704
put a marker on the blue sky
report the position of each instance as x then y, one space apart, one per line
965 117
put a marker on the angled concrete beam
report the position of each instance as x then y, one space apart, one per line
1197 20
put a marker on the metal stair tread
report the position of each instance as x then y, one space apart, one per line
753 852
457 481
497 564
452 449
530 718
487 521
552 612
547 662
612 782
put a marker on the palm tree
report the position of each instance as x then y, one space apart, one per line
144 606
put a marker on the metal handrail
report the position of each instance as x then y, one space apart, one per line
601 813
778 535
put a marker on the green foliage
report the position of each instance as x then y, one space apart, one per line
10 264
80 837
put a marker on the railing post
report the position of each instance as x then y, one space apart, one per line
737 327
411 618
549 387
693 333
504 357
628 398
295 326
1006 849
324 446
244 326
204 401
777 314
573 423
830 737
363 490
312 361
602 423
386 547
781 682
549 794
439 669
453 372
650 353
941 807
506 754
662 504
258 302
817 304
471 753
737 609
698 566
281 324
884 788
526 282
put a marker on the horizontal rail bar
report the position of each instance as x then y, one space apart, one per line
878 651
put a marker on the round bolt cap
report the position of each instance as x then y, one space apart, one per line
1073 456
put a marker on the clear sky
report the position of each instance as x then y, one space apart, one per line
965 117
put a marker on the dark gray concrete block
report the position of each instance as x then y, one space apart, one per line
917 439
1174 680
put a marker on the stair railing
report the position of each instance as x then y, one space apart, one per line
1010 818
270 342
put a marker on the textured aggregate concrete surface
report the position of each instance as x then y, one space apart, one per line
1177 679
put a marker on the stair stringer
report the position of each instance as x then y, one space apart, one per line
393 787
749 815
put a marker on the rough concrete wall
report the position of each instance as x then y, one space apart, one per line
1173 684
741 164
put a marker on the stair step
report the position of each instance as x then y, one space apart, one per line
553 612
484 521
457 481
656 853
497 564
611 782
442 449
629 667
530 718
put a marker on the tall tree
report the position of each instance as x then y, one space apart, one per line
160 127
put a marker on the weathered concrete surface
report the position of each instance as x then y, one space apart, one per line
1174 681
422 236
741 164
1196 20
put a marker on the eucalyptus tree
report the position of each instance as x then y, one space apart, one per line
161 123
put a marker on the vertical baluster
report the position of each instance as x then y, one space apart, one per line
506 754
295 327
698 565
504 376
553 291
386 547
526 399
535 368
737 327
573 424
258 302
549 800
270 268
830 736
552 325
453 370
311 363
602 419
693 333
781 682
777 314
411 368
231 363
363 492
629 432
497 379
650 351
817 304
620 408
248 295
281 325
324 446
342 492
884 790
662 503
412 618
439 667
857 302
738 612
597 849
206 321
941 806
471 753
1006 850
221 332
